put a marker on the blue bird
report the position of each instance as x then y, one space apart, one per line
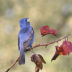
25 38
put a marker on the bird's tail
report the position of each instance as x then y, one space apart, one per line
22 58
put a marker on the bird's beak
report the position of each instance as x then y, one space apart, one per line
28 20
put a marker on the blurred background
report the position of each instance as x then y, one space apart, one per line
57 14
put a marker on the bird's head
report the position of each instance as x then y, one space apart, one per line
24 22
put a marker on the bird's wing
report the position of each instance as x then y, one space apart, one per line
22 33
26 43
18 42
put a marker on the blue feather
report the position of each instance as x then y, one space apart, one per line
26 38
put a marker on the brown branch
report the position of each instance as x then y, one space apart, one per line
12 64
44 44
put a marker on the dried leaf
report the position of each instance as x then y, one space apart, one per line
39 64
64 49
36 69
58 50
54 57
67 47
43 61
38 59
46 30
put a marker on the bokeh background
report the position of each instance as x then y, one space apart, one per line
57 14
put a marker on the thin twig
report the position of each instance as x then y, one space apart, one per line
12 64
44 44
32 51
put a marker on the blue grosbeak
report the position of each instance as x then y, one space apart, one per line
25 38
